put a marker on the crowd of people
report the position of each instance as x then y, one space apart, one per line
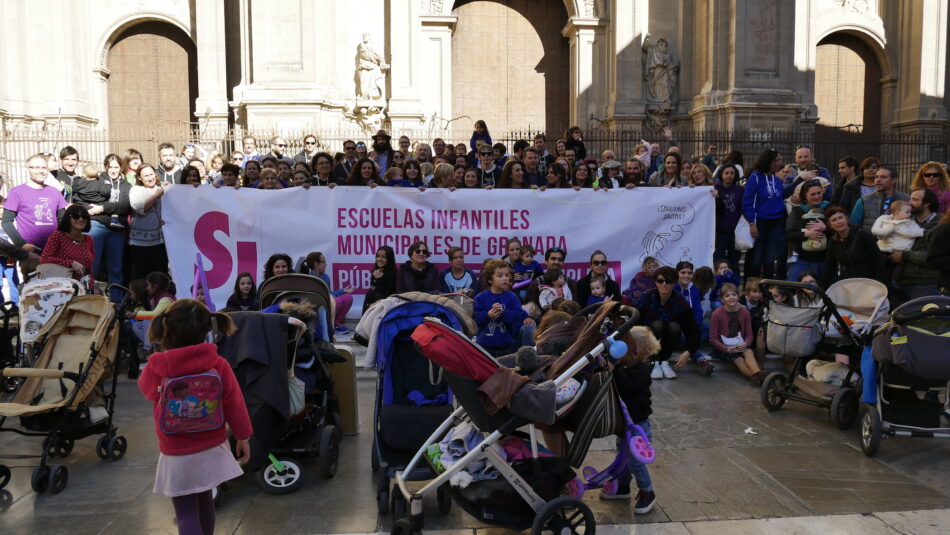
105 221
794 221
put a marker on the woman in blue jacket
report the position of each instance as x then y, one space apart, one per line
764 208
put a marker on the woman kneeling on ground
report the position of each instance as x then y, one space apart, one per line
731 335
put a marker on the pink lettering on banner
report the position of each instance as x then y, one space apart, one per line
360 275
220 255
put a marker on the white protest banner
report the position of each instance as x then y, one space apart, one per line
237 230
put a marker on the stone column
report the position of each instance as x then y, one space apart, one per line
437 55
919 100
211 106
765 84
583 33
627 27
405 83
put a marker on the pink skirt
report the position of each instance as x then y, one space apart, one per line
179 475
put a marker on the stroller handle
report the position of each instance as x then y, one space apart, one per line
902 318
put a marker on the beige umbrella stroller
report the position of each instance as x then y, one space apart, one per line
79 351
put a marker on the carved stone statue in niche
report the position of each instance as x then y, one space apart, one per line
660 73
370 72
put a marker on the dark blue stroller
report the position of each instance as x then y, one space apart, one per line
411 397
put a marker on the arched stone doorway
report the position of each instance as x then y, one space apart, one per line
153 82
848 85
510 64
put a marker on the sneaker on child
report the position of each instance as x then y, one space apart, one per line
645 502
792 259
657 372
668 372
619 491
707 366
341 329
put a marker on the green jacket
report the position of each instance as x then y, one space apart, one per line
917 271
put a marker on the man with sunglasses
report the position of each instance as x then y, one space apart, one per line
277 147
342 169
309 149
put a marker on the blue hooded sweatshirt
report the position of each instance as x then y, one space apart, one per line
763 197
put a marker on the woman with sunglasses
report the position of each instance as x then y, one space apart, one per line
418 274
933 176
670 317
70 247
598 270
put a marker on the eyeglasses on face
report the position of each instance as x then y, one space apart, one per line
79 217
281 144
484 154
662 281
598 262
932 175
423 252
309 142
350 147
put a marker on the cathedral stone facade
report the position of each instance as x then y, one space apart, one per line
438 65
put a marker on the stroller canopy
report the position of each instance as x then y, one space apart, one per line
403 319
863 300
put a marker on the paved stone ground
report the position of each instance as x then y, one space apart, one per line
710 477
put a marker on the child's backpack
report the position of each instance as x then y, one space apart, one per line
191 403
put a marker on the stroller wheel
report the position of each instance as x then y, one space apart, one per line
329 451
564 515
870 430
274 481
444 499
58 477
382 501
61 447
771 392
398 505
404 526
10 384
373 459
102 447
116 447
844 408
5 475
40 479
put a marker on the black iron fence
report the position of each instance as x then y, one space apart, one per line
904 152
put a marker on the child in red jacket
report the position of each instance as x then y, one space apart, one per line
195 395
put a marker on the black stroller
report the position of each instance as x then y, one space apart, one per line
819 332
400 425
907 358
263 352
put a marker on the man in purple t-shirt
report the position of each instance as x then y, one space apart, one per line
32 210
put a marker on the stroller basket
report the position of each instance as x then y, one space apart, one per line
793 331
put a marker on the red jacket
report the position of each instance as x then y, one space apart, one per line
190 360
719 325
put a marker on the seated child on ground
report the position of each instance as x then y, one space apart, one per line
731 334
